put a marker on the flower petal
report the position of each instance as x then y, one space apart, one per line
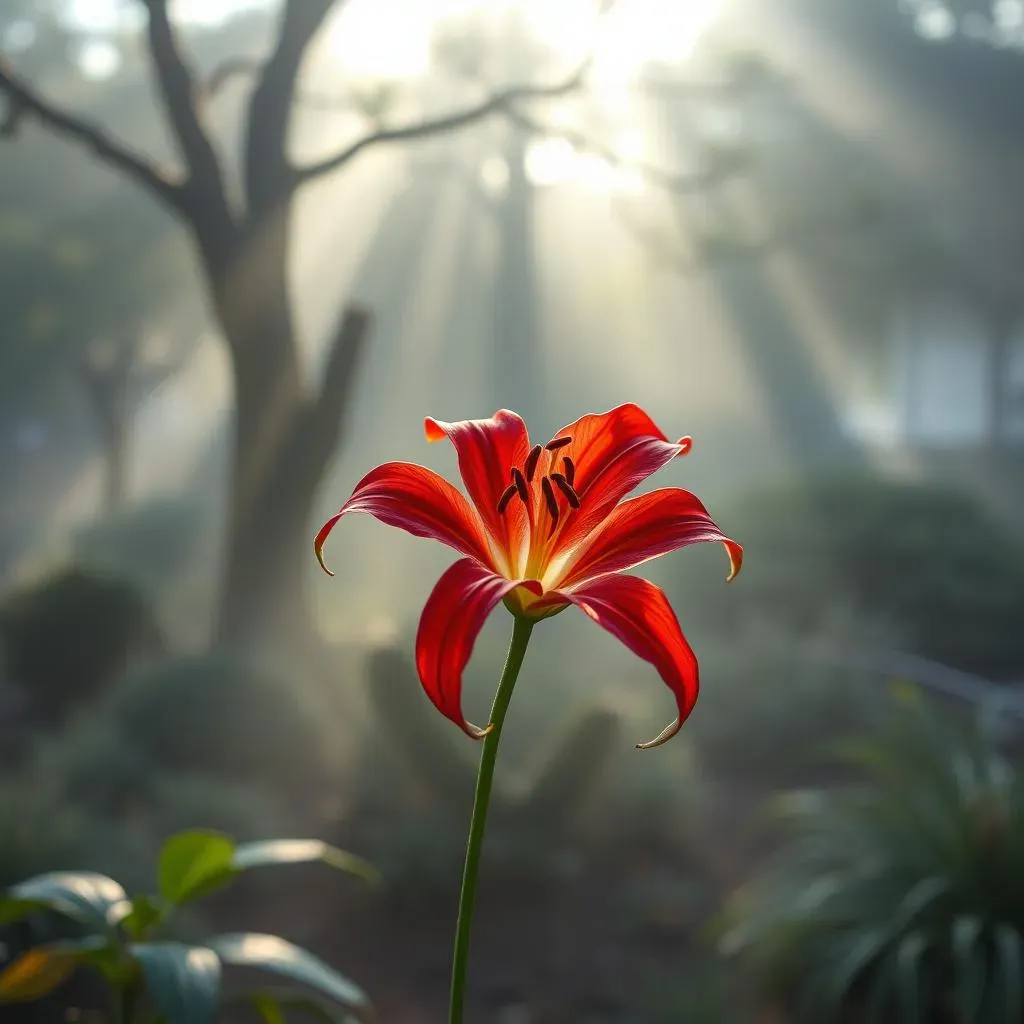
638 613
452 618
419 501
488 450
612 453
643 528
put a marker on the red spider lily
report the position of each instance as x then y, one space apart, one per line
547 528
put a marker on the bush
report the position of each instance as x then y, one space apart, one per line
899 895
64 639
927 559
219 715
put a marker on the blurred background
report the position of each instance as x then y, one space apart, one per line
245 247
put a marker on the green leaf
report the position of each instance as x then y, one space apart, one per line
272 852
184 981
144 914
193 864
95 900
277 956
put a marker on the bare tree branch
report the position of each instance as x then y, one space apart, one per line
177 88
25 101
499 102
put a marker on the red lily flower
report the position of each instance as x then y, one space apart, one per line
547 528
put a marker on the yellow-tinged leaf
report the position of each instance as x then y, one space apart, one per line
34 974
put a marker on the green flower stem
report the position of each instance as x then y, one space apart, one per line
481 800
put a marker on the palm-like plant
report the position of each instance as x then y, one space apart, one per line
900 897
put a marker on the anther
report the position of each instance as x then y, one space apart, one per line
519 482
549 497
531 461
558 442
507 495
567 489
570 469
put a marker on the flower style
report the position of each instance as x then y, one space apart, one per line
546 527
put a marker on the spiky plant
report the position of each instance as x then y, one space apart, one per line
899 898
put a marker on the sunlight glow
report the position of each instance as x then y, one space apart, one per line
632 34
98 59
555 161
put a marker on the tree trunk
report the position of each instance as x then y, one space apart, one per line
284 438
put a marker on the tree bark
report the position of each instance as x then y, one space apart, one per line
284 436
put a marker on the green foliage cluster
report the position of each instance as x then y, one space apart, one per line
927 559
899 896
154 977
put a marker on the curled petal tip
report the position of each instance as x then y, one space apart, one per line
476 733
686 444
432 431
663 737
735 553
321 539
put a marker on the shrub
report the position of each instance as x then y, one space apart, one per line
900 894
66 637
927 559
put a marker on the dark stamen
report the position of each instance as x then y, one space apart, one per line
531 461
549 497
559 442
570 469
507 495
567 489
519 483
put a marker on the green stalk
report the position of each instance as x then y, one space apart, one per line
481 800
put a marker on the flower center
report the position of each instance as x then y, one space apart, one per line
553 486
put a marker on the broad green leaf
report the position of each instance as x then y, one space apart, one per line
144 914
95 900
193 864
277 956
35 974
272 852
184 981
